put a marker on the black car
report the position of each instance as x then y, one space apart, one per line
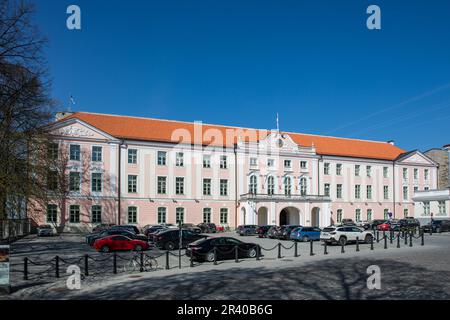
374 224
285 231
261 231
192 227
207 227
437 226
90 239
348 222
170 239
149 230
129 227
103 226
273 232
409 224
203 250
246 230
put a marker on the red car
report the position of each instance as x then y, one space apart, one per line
385 226
119 243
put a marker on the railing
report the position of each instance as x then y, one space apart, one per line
283 197
11 230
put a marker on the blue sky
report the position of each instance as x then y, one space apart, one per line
239 62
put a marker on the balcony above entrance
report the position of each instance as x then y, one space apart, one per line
282 198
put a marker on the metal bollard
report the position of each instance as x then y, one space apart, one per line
422 242
215 256
296 249
311 248
410 239
384 234
378 236
325 252
342 248
357 244
385 242
57 266
398 240
25 268
371 243
236 254
258 249
167 260
405 235
86 261
115 263
391 236
279 250
141 269
191 260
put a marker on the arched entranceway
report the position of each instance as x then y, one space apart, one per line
315 217
289 215
262 216
243 216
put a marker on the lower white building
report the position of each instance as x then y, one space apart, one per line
432 204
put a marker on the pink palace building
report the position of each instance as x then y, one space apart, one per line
130 170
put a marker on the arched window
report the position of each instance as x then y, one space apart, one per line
303 186
271 186
253 187
287 186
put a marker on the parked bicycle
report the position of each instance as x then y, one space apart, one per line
148 263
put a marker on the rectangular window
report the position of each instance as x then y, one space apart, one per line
180 215
132 156
369 192
416 189
369 171
416 174
162 185
369 215
96 154
162 158
74 181
96 214
405 193
224 187
253 162
223 216
179 185
52 180
326 168
339 216
74 214
405 173
52 151
326 190
75 152
405 213
386 192
223 162
385 172
386 214
442 209
179 159
52 213
339 191
357 170
287 164
426 174
96 182
339 169
162 215
271 163
426 208
358 215
132 215
207 162
303 165
132 184
206 215
206 187
357 191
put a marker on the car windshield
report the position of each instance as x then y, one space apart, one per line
328 229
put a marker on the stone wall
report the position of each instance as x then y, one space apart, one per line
441 156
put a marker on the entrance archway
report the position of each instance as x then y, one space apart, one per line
243 216
262 216
289 215
315 217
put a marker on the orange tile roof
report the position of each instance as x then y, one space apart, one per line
146 129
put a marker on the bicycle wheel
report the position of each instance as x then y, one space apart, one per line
150 264
131 266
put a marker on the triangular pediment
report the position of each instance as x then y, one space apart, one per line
77 129
415 157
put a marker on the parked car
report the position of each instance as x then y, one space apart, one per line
203 250
129 227
437 226
305 234
207 227
375 223
220 228
46 231
261 231
388 225
192 227
103 226
345 234
348 222
148 230
409 224
152 235
91 238
170 239
119 243
285 231
246 230
273 232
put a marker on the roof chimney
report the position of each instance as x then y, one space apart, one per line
62 114
392 142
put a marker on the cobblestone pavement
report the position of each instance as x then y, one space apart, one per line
418 272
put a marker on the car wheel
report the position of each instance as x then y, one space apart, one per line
210 256
342 241
305 239
104 249
368 239
251 253
137 247
170 245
